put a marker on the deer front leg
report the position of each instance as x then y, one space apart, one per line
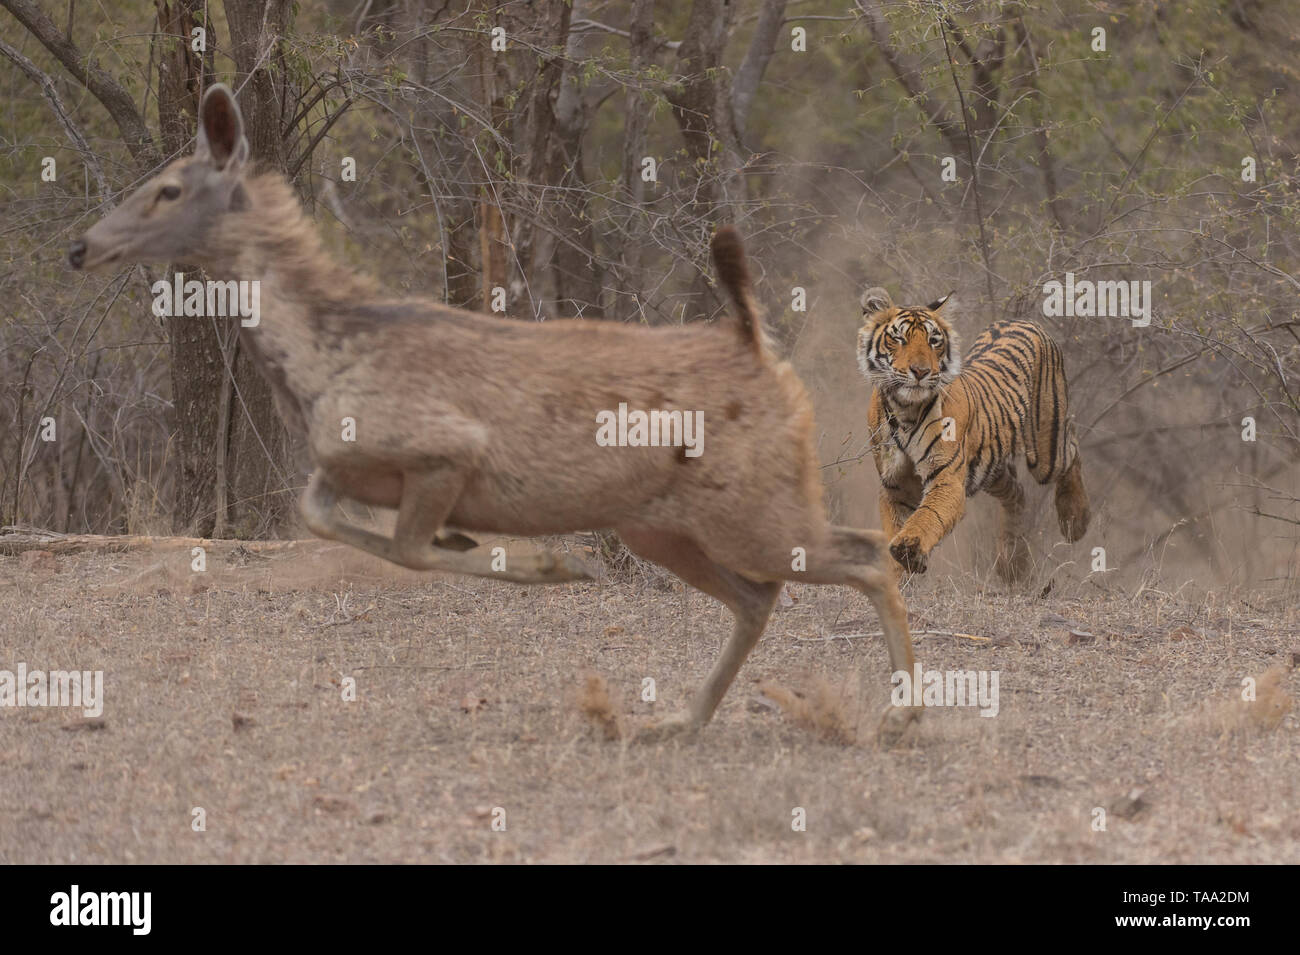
941 507
427 498
318 512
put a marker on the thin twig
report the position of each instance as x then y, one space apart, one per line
881 633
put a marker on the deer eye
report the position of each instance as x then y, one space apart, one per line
170 192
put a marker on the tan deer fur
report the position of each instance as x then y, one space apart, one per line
488 425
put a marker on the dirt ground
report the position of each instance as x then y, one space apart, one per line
479 704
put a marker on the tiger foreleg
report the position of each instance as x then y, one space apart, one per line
940 509
900 493
894 513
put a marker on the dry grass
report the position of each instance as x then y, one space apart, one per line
1261 713
595 704
227 693
824 708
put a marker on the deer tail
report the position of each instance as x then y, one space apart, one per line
729 260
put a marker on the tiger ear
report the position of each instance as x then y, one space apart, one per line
875 300
948 304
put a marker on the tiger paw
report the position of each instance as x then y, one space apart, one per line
907 551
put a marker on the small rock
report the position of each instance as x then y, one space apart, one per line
89 723
1126 807
656 852
327 803
1038 779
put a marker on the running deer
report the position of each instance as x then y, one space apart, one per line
489 425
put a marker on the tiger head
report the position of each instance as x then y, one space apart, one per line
909 353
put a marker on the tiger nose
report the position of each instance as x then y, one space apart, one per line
920 371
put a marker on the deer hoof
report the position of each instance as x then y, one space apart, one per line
567 567
454 541
679 724
894 722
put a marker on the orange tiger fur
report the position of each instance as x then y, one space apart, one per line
1009 396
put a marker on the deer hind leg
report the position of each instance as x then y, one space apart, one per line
1013 550
861 559
428 496
750 602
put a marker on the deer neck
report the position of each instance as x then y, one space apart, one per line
272 243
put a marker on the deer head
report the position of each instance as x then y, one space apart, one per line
170 216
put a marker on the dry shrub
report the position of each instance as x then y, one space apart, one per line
39 562
829 711
1273 701
595 704
171 576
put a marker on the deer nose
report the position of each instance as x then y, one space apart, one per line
77 253
921 372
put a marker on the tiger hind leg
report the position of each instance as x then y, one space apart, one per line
1012 559
1072 511
1052 450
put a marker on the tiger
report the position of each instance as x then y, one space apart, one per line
944 428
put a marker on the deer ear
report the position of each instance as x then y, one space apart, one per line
875 300
221 129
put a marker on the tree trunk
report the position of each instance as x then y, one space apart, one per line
256 30
259 459
234 452
703 110
627 300
494 238
579 278
197 370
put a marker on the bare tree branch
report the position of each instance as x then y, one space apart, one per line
908 74
46 83
103 87
752 68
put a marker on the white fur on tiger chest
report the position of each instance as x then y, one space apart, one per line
909 439
894 464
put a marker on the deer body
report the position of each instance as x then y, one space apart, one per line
489 425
